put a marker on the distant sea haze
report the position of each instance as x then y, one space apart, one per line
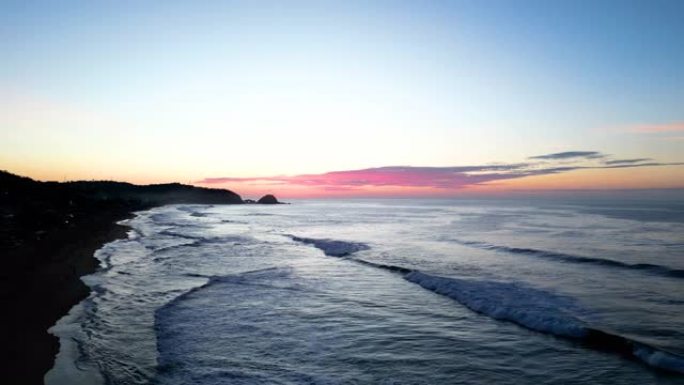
385 291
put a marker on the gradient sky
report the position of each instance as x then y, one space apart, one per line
258 96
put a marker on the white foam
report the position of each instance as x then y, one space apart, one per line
69 368
659 358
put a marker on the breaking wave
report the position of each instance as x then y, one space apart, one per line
543 312
531 308
648 267
331 247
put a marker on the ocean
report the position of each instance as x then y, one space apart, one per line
402 291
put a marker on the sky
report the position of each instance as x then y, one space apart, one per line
323 98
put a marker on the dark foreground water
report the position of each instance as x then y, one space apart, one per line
388 292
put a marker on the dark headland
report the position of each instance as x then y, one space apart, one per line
49 232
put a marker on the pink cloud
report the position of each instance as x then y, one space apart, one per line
658 128
398 176
436 180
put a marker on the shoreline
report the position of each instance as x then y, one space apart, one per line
43 295
49 232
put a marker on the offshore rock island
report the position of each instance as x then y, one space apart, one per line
268 200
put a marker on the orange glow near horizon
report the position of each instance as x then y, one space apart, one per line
543 176
609 179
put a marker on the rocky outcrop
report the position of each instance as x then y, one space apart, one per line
268 200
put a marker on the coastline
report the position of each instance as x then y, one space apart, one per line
49 232
36 300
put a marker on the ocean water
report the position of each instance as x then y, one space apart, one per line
385 292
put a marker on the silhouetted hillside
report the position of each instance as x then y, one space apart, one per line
29 209
155 194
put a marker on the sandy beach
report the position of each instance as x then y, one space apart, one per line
39 294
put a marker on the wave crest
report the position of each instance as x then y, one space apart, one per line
569 258
331 247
